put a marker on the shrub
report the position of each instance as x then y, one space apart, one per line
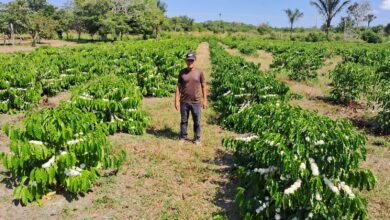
371 37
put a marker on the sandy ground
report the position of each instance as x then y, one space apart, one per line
53 43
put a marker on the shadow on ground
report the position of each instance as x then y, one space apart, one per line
225 195
166 132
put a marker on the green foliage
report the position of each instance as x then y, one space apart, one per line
64 147
231 90
387 29
18 91
383 98
329 9
289 161
90 13
315 37
292 163
350 81
115 101
371 37
181 23
24 77
300 63
247 48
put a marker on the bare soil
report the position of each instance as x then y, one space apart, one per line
52 43
54 101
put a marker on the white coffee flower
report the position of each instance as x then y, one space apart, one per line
302 166
347 190
318 196
331 185
293 187
319 143
73 142
62 153
36 142
49 162
314 168
34 184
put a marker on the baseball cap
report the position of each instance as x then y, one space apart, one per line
191 56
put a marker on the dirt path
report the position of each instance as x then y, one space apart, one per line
160 180
53 43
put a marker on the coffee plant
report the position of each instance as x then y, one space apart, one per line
58 148
116 103
292 163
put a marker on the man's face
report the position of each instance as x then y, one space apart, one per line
190 63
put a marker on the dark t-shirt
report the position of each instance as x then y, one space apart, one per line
189 85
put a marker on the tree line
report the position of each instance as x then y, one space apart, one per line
116 18
357 13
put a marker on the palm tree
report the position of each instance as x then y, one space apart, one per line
329 9
293 16
162 6
370 18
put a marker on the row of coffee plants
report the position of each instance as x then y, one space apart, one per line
300 63
292 163
25 77
364 74
66 148
115 102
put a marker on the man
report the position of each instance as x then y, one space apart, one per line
188 99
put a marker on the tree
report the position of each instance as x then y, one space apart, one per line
40 26
182 23
358 12
344 25
3 21
369 18
147 17
63 17
329 9
40 21
36 5
90 13
114 24
162 6
264 28
387 29
16 18
293 16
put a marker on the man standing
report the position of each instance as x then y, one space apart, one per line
187 99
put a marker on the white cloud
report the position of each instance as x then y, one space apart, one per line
385 5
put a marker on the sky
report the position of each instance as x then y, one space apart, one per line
256 11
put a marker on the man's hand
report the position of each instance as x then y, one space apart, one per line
177 98
177 105
204 104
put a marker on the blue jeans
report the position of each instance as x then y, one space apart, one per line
185 109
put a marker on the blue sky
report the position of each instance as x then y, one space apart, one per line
255 11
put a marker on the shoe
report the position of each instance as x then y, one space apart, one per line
182 140
198 142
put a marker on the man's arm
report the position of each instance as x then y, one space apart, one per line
204 92
177 98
